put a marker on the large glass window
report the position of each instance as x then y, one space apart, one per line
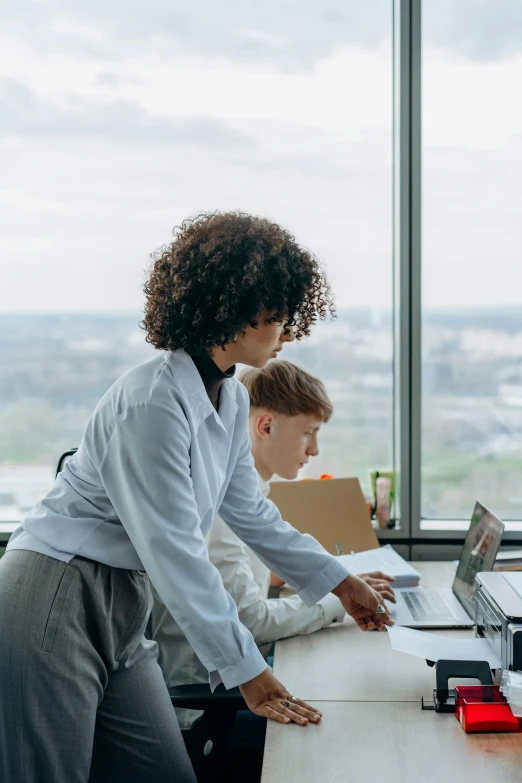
348 223
472 235
119 120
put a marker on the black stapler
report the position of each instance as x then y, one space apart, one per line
443 698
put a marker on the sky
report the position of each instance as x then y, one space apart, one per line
119 120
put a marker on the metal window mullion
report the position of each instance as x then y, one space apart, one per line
407 290
415 266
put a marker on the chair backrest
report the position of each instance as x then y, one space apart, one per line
63 459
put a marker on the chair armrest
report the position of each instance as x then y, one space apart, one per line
200 697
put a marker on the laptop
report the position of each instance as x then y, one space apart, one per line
453 608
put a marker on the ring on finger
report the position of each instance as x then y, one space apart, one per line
287 704
295 700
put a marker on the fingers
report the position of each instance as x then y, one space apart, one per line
367 603
268 697
382 620
269 712
379 575
288 711
363 613
382 587
308 707
294 713
387 593
303 709
372 622
290 714
367 624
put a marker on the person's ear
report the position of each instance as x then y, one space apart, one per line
264 424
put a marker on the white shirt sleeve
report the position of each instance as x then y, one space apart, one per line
257 522
267 619
146 474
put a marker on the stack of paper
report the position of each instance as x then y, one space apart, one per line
511 687
383 559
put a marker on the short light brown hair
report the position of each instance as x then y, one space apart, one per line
283 387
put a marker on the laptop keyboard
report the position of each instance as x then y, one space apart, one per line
428 606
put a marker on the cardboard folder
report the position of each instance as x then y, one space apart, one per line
332 511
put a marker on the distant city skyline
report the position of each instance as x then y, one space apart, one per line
54 368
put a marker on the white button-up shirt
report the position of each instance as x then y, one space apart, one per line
247 580
155 464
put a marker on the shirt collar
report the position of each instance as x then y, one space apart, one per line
212 375
193 388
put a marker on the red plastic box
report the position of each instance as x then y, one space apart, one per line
483 708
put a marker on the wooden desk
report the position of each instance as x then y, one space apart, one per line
322 665
373 728
344 664
387 743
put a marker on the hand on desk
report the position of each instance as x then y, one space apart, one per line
266 696
361 602
381 583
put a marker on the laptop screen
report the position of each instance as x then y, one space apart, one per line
478 554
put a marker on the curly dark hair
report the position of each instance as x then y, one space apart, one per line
220 272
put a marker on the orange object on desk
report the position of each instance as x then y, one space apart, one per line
322 477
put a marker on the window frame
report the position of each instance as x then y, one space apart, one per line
407 294
407 262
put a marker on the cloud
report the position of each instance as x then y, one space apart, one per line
114 203
290 35
471 225
287 34
24 201
119 122
26 115
478 29
28 246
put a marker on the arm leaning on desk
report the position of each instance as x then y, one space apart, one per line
370 699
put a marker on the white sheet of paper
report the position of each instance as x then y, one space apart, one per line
435 647
383 559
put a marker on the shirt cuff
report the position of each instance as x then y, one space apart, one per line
333 610
238 673
330 577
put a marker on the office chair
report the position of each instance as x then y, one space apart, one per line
63 459
208 740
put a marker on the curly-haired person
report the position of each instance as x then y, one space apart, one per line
82 697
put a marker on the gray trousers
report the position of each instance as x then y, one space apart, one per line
82 698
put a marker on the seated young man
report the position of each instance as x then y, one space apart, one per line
287 408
